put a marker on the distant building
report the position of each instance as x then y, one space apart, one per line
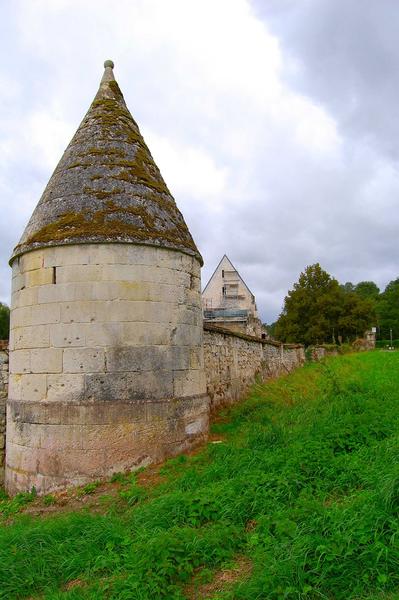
228 302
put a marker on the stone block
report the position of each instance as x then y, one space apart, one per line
152 273
193 298
65 335
20 361
65 388
189 316
198 426
84 311
138 386
104 334
122 290
15 268
46 360
77 273
21 458
14 386
152 312
145 334
180 358
67 292
38 277
30 261
22 433
188 383
42 314
136 358
17 283
83 360
30 337
20 317
126 254
114 435
33 387
59 437
24 297
185 335
60 256
196 358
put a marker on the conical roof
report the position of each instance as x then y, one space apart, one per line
106 187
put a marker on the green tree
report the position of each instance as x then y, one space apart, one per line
368 290
4 322
388 310
348 287
357 315
318 310
270 328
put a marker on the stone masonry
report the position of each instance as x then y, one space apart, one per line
106 364
106 361
3 400
106 358
234 361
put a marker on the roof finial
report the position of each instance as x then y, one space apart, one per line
108 63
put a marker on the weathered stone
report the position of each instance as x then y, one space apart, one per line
106 315
233 362
137 358
138 386
106 188
46 360
84 360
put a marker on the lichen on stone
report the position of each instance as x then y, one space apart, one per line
107 149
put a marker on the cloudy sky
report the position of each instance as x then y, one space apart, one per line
274 123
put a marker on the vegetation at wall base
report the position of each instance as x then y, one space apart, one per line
4 321
301 479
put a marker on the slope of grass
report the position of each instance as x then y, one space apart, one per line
305 484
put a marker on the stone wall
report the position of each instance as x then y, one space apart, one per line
233 362
3 400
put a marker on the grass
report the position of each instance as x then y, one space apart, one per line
304 488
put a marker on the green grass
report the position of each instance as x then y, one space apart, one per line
305 484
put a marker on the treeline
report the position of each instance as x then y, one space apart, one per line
319 309
4 322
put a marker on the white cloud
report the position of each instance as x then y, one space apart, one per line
260 170
190 171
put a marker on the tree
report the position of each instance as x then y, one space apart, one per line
368 290
318 310
388 310
348 286
357 315
4 322
270 328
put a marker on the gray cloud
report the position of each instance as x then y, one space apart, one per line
273 123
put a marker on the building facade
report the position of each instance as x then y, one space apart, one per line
228 302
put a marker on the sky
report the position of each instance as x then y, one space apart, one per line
274 123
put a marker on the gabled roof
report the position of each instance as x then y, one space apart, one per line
234 269
107 187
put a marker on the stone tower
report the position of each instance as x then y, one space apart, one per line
106 362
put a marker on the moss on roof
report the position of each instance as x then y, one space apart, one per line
107 187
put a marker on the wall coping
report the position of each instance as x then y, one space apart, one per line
249 338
